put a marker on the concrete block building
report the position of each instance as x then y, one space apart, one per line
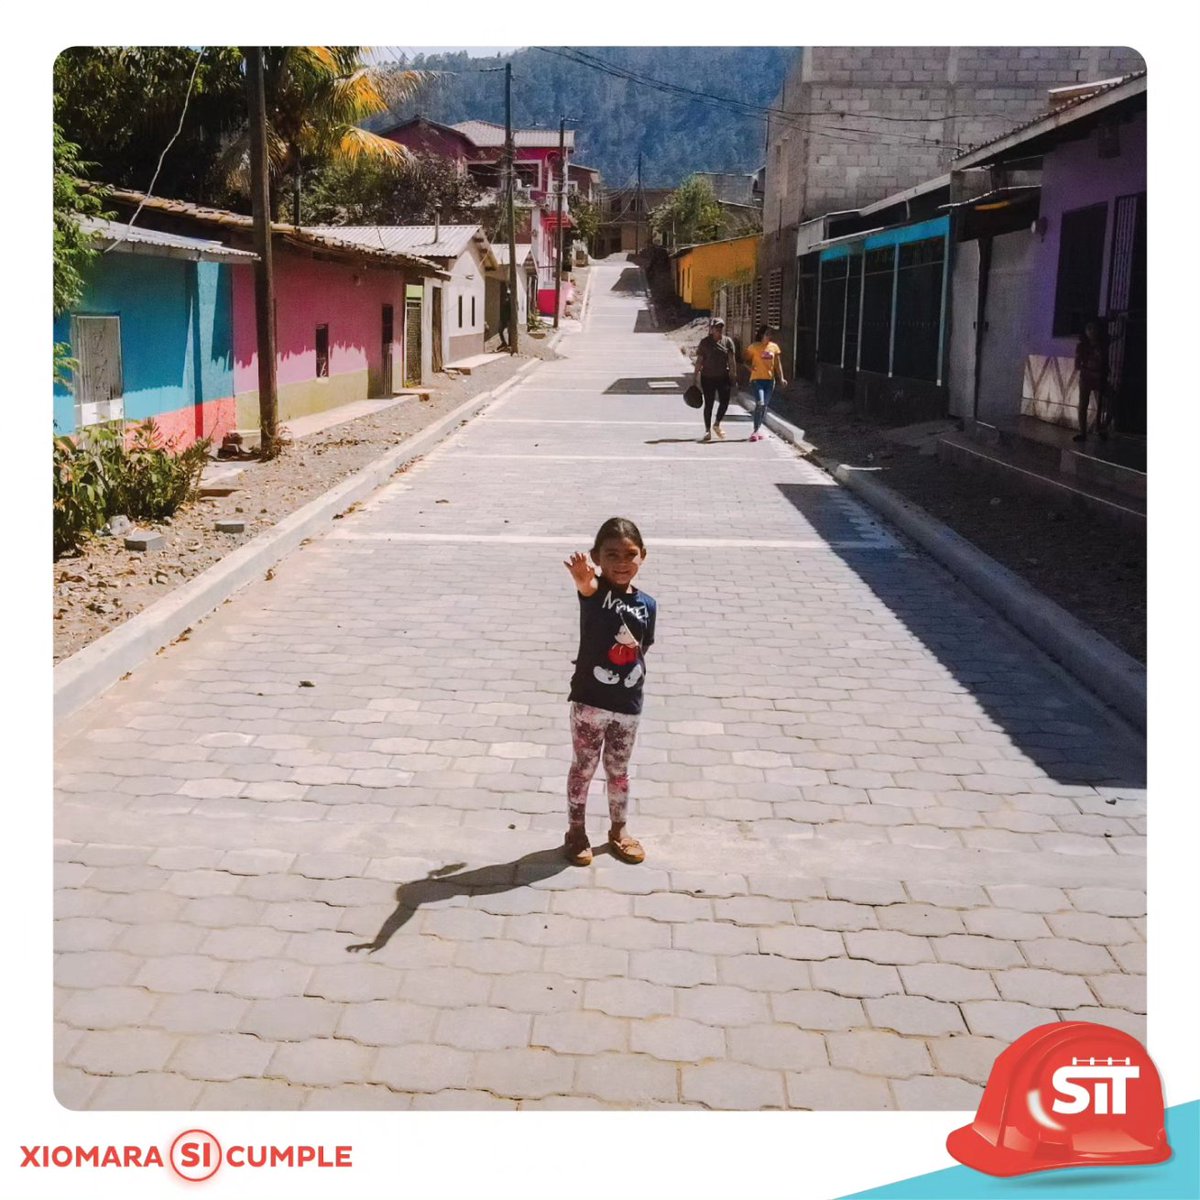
852 125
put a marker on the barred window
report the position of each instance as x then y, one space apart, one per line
775 298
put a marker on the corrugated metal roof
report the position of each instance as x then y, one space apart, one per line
426 241
1111 90
296 234
486 133
130 239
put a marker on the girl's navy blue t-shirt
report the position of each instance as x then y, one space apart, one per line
615 630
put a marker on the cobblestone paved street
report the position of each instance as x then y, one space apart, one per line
884 834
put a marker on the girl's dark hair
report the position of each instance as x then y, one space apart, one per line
762 332
617 528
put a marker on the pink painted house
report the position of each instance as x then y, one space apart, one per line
350 320
477 147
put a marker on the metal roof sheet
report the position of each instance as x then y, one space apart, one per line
296 234
427 241
1106 93
487 133
133 239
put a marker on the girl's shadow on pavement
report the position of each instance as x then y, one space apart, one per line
451 880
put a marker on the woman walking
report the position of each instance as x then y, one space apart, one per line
716 373
766 369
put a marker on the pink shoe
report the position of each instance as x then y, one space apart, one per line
756 437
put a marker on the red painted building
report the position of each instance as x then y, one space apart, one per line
477 147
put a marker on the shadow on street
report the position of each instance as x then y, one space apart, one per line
1070 740
451 880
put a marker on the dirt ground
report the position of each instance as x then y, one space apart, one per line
1093 567
102 585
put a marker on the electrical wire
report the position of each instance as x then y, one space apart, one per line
178 130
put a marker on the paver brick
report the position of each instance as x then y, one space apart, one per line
633 933
971 950
888 946
777 1047
1004 1019
478 1027
422 1067
628 997
835 915
723 1005
254 1095
732 1085
180 973
923 920
498 956
1027 898
967 1057
199 1012
946 981
147 1090
853 977
95 968
1110 902
878 1053
290 1018
219 1056
320 1062
801 943
865 891
107 1008
1073 958
527 1073
585 1032
833 1089
676 1039
678 968
121 1051
1005 924
818 1010
1120 991
1050 989
268 978
914 1015
460 1100
1092 927
1118 1018
360 981
764 972
627 1079
535 993
933 1093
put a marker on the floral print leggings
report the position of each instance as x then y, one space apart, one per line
597 733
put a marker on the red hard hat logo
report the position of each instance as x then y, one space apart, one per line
1072 1094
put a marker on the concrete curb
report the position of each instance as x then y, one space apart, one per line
99 665
1116 677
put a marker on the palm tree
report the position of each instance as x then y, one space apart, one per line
317 97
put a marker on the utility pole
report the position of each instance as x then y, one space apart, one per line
562 188
638 229
510 166
264 278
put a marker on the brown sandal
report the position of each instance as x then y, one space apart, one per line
627 849
577 849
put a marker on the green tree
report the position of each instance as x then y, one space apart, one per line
586 216
73 248
318 98
383 192
123 105
689 214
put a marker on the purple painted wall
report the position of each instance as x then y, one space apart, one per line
1074 176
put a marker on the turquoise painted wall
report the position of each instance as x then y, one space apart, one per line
176 332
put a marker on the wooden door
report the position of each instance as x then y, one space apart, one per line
436 348
412 341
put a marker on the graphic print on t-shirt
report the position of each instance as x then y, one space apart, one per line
615 630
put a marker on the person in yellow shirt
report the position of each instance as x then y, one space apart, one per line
766 369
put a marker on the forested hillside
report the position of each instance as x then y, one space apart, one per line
615 116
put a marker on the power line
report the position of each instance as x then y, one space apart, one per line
746 109
179 128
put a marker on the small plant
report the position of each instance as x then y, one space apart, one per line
107 473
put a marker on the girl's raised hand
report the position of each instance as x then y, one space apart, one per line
582 572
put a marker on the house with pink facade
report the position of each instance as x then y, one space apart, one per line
477 147
349 317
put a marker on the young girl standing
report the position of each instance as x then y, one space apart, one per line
766 369
616 628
